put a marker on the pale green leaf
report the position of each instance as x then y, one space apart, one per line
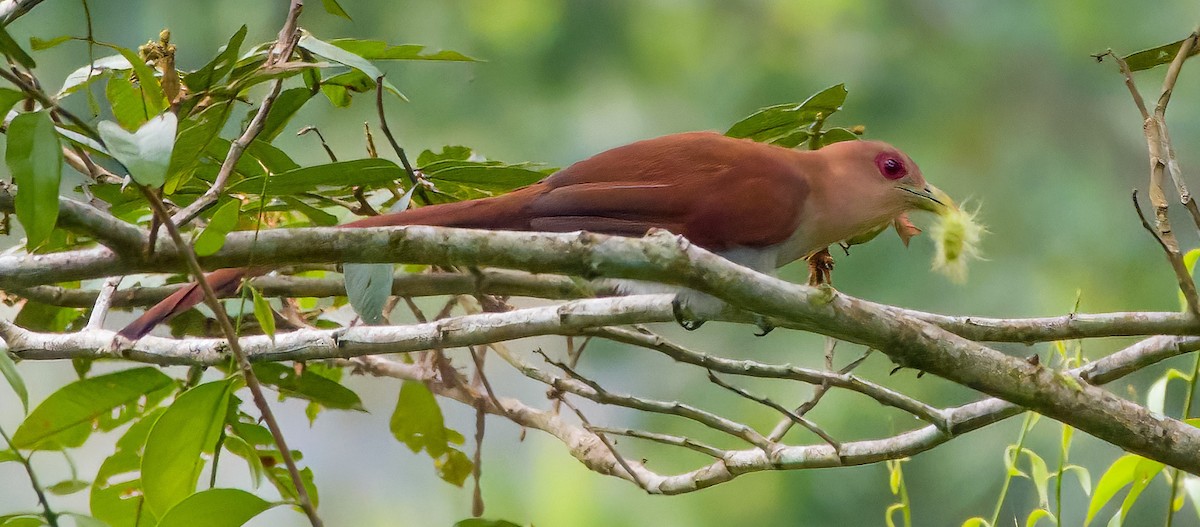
263 313
145 153
368 287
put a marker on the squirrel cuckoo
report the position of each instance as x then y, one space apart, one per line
759 205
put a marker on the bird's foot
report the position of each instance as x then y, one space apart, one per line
763 324
820 268
683 317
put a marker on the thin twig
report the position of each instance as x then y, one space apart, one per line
51 516
612 449
800 420
256 391
387 132
1181 274
666 439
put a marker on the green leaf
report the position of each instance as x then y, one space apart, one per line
488 176
837 135
34 157
196 133
224 221
240 448
417 420
976 522
85 75
481 522
37 316
116 496
308 386
1156 396
368 287
152 93
12 50
454 467
1037 515
332 175
1164 54
286 105
40 44
173 457
779 121
448 153
24 520
380 50
145 153
317 216
203 78
1126 470
9 98
341 56
67 487
332 7
1191 487
9 369
215 508
84 401
263 313
125 99
8 456
283 483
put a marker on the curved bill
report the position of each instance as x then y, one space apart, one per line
929 198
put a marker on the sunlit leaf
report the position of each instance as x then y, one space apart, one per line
34 157
778 121
174 451
1039 514
417 420
85 400
1126 470
215 508
975 522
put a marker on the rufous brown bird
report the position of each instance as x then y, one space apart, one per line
759 205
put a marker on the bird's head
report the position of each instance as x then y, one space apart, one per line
882 175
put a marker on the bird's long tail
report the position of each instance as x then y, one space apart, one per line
499 213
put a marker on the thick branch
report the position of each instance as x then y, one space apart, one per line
88 221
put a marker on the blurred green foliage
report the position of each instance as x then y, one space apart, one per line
997 101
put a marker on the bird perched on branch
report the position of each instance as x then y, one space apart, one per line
759 205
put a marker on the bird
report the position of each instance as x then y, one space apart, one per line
759 205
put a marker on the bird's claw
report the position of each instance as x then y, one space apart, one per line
763 324
681 317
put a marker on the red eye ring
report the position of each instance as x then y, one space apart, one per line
890 165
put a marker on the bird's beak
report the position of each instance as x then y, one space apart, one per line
928 198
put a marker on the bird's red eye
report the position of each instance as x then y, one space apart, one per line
891 166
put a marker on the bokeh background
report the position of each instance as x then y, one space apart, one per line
999 102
